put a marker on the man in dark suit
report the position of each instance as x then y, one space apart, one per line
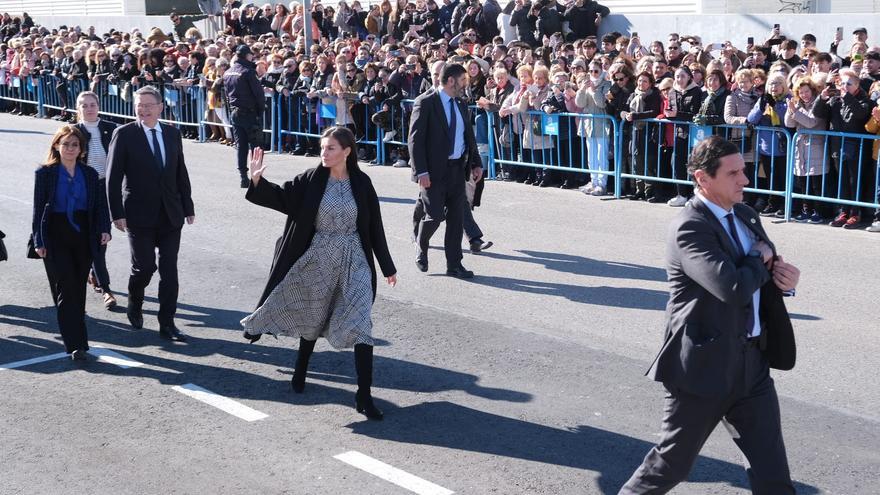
152 206
726 326
443 151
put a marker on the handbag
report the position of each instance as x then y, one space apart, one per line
3 254
31 252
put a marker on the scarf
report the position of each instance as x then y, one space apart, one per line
770 111
638 101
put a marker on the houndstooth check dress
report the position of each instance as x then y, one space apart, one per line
328 291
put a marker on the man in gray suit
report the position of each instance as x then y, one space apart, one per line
726 326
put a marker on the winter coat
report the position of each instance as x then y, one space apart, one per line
809 149
770 143
592 102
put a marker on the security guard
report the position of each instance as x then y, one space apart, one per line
247 101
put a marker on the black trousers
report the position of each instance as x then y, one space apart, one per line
144 242
248 134
751 415
444 200
99 269
67 266
471 229
774 170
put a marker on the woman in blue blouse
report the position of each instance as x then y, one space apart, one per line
70 223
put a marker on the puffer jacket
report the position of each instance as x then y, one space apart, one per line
809 149
593 102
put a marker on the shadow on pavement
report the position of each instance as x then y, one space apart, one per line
618 297
332 366
579 265
400 201
611 455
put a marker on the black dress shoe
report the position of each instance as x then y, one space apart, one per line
655 199
568 184
459 272
251 338
135 315
422 264
78 355
637 196
245 182
171 332
480 245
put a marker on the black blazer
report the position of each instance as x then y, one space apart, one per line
711 289
429 141
45 184
147 190
105 128
299 199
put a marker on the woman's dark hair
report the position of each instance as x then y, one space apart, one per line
346 139
708 154
54 158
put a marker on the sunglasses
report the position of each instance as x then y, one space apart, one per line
618 79
594 71
674 47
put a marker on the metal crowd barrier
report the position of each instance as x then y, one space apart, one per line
22 90
556 141
306 118
856 152
564 146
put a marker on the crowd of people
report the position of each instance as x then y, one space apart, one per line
524 59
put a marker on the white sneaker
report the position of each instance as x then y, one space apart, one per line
875 227
401 164
677 201
598 191
587 189
389 136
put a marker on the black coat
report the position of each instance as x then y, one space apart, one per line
299 199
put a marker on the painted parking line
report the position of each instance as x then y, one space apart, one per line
391 474
107 356
225 404
28 362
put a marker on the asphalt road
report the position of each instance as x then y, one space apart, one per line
525 380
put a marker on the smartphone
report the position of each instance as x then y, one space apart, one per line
751 40
776 27
840 32
805 62
635 35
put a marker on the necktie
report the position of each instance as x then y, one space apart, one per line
452 126
734 233
750 318
157 151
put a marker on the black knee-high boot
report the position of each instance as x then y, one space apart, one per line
298 382
363 363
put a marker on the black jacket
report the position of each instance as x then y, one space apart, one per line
45 183
582 20
106 129
148 191
524 24
711 287
299 199
243 89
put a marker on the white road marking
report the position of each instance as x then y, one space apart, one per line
391 474
223 403
112 357
27 362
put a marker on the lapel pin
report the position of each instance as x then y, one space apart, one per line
753 220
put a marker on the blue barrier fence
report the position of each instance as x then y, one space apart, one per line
650 150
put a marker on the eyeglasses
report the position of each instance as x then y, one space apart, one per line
618 79
674 47
596 71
